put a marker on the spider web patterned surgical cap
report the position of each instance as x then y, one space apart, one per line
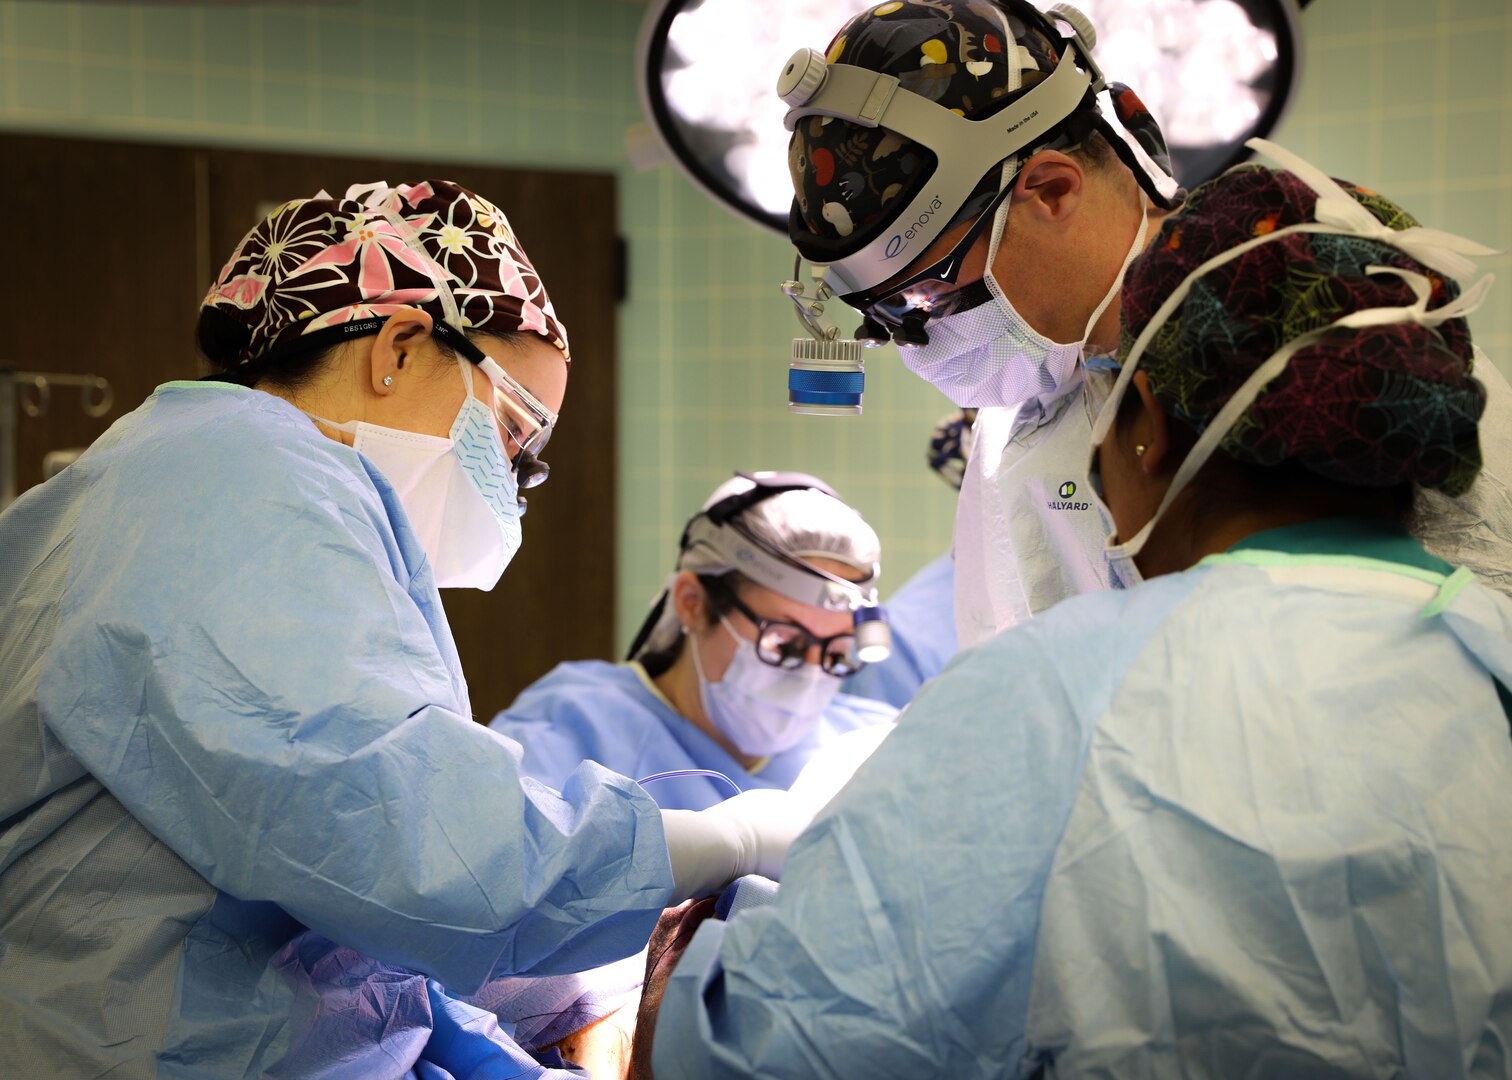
1371 405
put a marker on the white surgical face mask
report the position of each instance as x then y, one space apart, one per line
762 709
990 355
460 493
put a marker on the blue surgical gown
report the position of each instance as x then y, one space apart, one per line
610 713
230 711
921 615
1250 820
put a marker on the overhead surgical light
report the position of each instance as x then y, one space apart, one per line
1213 72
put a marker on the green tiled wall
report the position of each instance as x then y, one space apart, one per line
1413 97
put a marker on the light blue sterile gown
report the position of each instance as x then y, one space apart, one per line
609 713
1245 821
921 616
230 710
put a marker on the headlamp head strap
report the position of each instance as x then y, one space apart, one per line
716 541
965 150
764 486
722 539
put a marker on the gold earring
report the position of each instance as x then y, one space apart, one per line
1139 449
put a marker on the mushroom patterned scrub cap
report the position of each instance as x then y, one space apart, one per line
972 57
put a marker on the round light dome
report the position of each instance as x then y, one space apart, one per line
1213 73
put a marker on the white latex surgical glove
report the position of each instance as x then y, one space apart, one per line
831 768
748 834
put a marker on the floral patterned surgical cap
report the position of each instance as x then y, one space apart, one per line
314 264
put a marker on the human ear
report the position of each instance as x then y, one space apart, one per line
689 601
1150 428
1050 186
397 343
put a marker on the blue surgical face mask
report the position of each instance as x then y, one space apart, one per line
762 709
459 493
479 449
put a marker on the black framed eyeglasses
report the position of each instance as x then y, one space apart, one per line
786 645
904 309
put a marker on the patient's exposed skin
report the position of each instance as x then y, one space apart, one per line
669 940
605 1046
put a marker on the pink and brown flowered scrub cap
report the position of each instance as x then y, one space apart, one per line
973 57
316 266
1375 406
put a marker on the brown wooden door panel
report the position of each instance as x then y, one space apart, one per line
115 287
99 273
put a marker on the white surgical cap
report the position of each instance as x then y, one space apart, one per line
803 524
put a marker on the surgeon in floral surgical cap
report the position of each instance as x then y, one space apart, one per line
248 826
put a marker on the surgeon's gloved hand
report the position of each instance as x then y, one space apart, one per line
831 768
749 834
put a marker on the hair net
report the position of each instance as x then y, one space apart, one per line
805 524
1375 405
313 264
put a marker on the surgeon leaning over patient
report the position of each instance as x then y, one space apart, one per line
967 174
230 705
1246 819
738 668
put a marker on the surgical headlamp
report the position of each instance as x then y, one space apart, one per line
873 635
728 544
721 527
826 373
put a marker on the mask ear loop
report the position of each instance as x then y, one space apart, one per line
1135 250
1219 427
1433 248
1000 225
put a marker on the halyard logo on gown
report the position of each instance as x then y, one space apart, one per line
1065 502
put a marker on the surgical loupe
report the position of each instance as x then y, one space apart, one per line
1214 72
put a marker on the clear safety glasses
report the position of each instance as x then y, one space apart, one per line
903 309
521 416
786 645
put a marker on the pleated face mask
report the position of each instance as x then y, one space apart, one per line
763 709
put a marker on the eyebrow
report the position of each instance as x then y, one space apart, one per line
745 609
